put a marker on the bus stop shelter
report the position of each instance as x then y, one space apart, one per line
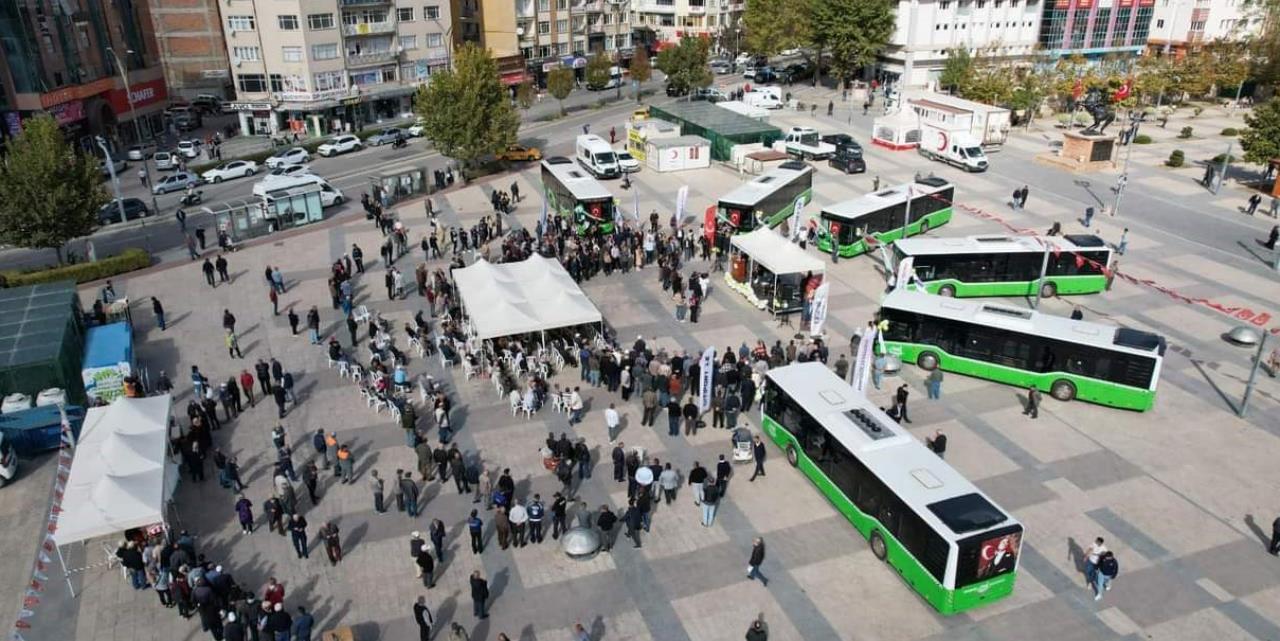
724 129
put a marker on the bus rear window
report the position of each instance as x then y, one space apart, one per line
988 555
967 513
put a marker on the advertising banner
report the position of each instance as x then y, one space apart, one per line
706 374
818 310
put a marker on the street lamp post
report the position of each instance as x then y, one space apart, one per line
1124 173
111 169
137 130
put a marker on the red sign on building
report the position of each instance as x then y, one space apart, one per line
143 94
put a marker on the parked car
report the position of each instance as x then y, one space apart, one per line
519 153
417 129
789 52
229 170
765 75
188 121
386 136
627 163
141 152
709 94
675 91
165 160
840 140
721 66
294 156
175 182
207 103
118 164
848 159
289 171
134 209
189 148
340 145
749 72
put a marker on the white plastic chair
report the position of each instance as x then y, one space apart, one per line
557 402
468 370
331 361
361 314
344 369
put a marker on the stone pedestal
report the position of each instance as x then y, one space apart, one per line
1083 152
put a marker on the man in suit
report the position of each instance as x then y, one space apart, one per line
479 595
423 617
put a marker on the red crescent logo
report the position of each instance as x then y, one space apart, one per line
988 552
674 154
942 136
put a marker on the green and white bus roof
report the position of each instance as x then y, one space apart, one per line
934 490
921 246
887 197
749 194
575 179
1026 321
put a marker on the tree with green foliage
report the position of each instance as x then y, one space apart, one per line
854 31
598 72
49 193
465 110
686 64
1229 64
560 84
774 25
957 71
526 95
1192 76
1261 141
1152 79
1264 48
641 71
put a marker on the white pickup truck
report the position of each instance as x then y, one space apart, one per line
805 144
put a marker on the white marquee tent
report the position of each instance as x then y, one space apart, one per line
783 264
533 295
121 476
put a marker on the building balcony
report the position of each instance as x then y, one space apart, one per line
650 6
697 9
362 3
590 7
370 59
368 28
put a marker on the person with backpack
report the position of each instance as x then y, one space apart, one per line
1108 568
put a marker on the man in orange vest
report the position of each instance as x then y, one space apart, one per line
346 464
331 451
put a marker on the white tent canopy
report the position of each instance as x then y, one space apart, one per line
121 476
775 253
533 295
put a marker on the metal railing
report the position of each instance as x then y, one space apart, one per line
365 59
368 28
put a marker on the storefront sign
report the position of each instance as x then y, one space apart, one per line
141 95
212 74
311 96
351 102
67 112
247 106
513 78
78 92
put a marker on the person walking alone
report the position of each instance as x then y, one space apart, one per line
758 453
900 398
710 499
933 384
757 558
422 616
479 595
1033 403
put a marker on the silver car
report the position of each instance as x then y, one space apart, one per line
175 182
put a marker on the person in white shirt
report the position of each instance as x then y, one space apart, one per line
519 517
575 407
611 421
1091 556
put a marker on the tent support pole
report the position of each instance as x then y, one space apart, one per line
65 574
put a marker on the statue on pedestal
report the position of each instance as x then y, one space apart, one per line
1096 103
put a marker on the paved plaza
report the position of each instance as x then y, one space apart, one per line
1184 494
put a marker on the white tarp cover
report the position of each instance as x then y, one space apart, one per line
775 253
515 298
121 476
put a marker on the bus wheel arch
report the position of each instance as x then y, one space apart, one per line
924 226
878 546
792 456
947 290
1048 290
1063 390
927 361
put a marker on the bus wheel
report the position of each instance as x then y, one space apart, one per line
878 547
792 457
1063 390
924 227
947 290
1048 290
927 361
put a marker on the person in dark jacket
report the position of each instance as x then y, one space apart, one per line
758 452
634 520
757 557
479 596
690 412
605 521
758 630
302 625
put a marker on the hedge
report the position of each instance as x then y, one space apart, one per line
1142 139
1185 133
1223 157
1176 159
124 262
1230 131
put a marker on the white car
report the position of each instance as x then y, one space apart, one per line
289 171
340 145
627 163
789 52
721 66
416 129
189 148
233 169
294 156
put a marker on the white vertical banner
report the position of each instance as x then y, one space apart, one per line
542 220
706 378
797 209
906 270
635 211
866 356
682 197
818 308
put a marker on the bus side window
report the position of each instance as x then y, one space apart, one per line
901 325
1025 267
923 543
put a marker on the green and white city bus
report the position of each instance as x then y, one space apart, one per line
571 192
766 200
1069 359
883 215
947 540
1006 265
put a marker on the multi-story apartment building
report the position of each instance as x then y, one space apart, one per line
553 33
1180 25
1095 28
491 24
70 59
671 20
320 66
927 30
189 34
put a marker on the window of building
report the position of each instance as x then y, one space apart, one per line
251 83
325 51
288 23
982 4
944 5
408 42
666 21
562 25
240 23
561 5
404 14
1159 24
1198 25
608 18
544 26
434 40
329 80
291 54
319 21
431 12
246 54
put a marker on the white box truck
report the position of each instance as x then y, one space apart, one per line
804 143
952 145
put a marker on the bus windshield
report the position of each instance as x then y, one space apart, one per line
967 513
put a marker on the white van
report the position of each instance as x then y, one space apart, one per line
596 156
764 97
329 195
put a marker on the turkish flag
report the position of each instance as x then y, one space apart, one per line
1123 91
1077 90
